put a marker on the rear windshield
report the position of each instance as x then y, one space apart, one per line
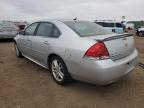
85 28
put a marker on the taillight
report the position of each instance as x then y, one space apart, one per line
97 51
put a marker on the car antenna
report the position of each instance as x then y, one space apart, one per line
75 19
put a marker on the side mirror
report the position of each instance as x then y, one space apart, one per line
21 33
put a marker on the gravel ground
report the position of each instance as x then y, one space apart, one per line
24 84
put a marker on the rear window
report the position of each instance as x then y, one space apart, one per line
85 28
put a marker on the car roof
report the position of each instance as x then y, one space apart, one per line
53 20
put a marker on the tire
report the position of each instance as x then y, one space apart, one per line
18 53
59 71
141 34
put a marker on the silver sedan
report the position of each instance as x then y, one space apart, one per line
80 50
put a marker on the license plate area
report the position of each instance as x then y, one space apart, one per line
130 66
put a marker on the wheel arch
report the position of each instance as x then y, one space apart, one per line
15 41
52 55
68 76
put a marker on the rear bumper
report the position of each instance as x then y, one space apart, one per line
105 71
7 36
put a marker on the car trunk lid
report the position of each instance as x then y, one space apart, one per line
118 45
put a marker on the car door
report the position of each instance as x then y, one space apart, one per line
25 42
41 42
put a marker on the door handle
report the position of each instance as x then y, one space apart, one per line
46 43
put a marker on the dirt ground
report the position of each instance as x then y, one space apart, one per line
24 84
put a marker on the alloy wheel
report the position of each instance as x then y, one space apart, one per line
57 70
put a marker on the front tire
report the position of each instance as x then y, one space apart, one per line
18 53
141 34
59 70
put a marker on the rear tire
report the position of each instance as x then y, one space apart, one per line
59 71
18 53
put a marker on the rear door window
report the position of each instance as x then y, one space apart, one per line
56 32
45 29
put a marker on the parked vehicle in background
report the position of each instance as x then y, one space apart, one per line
8 30
111 26
80 50
140 31
129 26
21 25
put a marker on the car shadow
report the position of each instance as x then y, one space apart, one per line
102 89
6 40
79 85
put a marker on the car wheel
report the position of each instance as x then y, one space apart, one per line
18 53
59 70
141 34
